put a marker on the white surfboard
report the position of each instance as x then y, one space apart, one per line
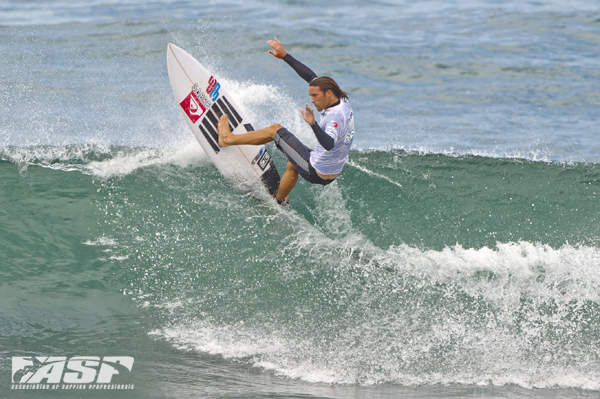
203 100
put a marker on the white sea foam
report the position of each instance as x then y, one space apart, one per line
388 348
124 163
570 271
513 314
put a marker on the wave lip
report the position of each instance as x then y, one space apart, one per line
101 160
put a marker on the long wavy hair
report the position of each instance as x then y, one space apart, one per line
326 83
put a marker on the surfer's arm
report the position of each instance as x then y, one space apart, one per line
324 139
279 52
302 70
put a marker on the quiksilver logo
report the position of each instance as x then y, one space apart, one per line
58 370
192 106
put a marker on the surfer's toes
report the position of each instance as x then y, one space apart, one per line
284 202
224 132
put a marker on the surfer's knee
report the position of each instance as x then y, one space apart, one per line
292 169
274 128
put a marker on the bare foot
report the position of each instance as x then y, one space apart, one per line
225 134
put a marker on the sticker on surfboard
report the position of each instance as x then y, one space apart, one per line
203 100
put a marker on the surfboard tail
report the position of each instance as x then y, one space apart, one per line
271 179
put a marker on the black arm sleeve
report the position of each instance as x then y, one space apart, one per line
307 74
324 139
302 70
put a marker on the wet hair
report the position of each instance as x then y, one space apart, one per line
326 83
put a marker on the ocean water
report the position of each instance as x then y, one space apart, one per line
456 256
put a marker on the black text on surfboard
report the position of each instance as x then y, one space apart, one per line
201 96
209 125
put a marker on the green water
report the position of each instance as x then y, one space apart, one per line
411 269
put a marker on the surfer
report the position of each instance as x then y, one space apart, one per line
334 132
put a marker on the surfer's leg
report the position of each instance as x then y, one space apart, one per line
287 183
257 137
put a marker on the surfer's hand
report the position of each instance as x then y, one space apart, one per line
308 114
278 50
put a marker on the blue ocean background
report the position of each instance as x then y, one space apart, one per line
456 256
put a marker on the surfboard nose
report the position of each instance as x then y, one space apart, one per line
172 46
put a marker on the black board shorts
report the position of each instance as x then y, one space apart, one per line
299 155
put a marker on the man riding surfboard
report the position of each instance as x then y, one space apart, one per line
334 132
